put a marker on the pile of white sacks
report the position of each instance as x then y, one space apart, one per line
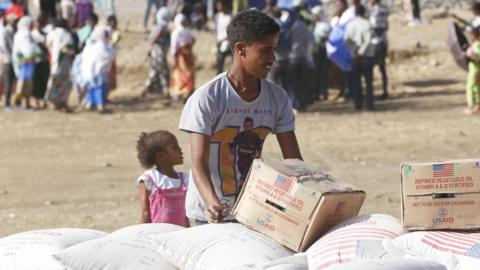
369 242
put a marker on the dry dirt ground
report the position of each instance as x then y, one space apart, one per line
79 170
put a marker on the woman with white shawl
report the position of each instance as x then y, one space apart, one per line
97 59
62 51
180 32
24 52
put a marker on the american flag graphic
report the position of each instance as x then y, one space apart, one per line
467 244
443 170
346 244
284 183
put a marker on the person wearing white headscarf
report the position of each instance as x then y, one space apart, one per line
159 73
180 32
24 52
97 58
62 51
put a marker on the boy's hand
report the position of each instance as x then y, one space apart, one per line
216 213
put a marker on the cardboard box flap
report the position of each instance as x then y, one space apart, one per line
308 176
441 178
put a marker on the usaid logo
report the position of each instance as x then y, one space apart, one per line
443 217
265 222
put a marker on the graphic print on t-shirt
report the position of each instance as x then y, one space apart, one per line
237 149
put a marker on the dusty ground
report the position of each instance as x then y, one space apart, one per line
79 170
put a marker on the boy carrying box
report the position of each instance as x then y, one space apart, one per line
216 112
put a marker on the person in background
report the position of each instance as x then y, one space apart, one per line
198 17
412 11
379 21
358 39
320 33
271 8
281 73
85 32
416 12
97 58
84 11
48 9
222 19
42 65
16 8
161 189
180 30
24 52
68 11
182 82
473 82
7 34
114 35
159 73
158 4
62 50
298 60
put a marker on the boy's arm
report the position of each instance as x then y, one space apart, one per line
200 147
144 204
289 145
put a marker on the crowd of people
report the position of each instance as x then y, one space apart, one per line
63 48
315 51
66 48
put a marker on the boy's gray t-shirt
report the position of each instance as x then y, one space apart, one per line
216 110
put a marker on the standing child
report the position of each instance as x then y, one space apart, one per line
162 190
473 79
114 35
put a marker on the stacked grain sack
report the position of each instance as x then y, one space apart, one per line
33 250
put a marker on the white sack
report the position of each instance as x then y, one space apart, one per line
392 264
128 248
33 250
463 246
354 239
218 246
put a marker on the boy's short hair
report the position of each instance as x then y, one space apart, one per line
250 26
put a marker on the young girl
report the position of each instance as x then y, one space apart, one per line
162 190
473 79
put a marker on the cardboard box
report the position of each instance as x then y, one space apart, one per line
441 195
293 203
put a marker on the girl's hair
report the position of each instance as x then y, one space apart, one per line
149 144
